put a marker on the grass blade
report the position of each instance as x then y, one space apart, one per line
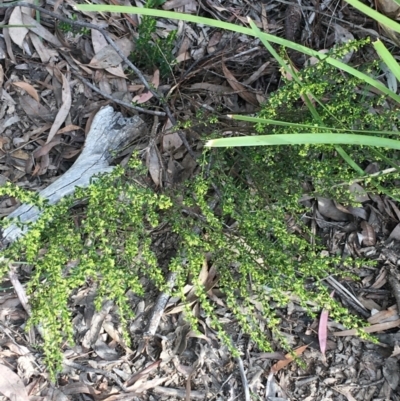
266 121
387 58
375 15
305 139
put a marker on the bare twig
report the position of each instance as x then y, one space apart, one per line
245 384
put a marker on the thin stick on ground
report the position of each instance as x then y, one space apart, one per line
245 384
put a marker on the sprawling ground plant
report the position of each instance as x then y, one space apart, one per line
234 215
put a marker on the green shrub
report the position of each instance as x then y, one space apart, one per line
260 262
108 241
346 103
151 53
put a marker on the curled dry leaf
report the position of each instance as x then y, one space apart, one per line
28 88
64 109
238 87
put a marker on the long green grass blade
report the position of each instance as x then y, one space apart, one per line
286 68
240 29
387 58
346 157
382 19
266 121
305 139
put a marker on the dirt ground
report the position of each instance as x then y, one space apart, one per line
53 81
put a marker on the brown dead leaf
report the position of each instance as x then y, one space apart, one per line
172 141
384 316
28 88
69 152
144 97
394 208
41 31
20 154
395 234
64 109
288 358
68 128
346 392
359 193
214 41
44 52
33 109
396 351
388 7
328 209
106 55
257 74
105 58
17 35
381 280
143 385
217 89
126 45
153 164
79 388
44 150
369 236
11 385
238 87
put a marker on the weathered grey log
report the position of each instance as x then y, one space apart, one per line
108 133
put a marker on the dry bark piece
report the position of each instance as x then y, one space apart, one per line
109 131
